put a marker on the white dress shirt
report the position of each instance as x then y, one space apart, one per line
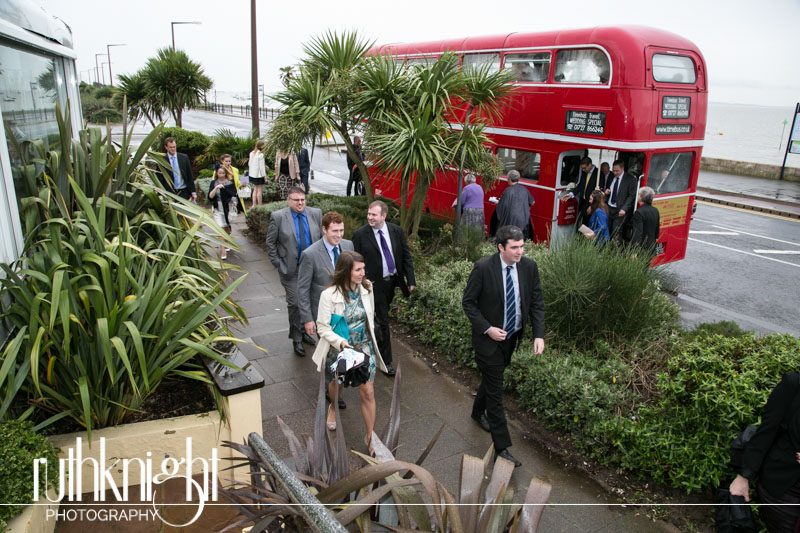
385 230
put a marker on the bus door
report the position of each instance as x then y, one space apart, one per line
565 207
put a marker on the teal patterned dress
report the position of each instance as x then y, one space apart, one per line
360 339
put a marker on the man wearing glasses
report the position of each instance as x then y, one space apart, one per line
292 230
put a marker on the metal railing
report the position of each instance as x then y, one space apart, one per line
240 110
315 514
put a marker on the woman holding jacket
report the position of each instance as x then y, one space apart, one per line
350 295
772 459
287 172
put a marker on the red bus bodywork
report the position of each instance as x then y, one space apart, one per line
657 127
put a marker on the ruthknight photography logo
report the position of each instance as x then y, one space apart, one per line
145 472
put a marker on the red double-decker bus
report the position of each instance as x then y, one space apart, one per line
632 93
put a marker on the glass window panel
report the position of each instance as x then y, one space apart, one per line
479 61
30 86
587 65
526 163
531 67
670 68
670 172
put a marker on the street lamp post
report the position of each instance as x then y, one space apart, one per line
108 49
254 69
97 68
172 26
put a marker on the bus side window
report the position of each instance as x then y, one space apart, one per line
475 62
526 163
670 172
584 65
532 67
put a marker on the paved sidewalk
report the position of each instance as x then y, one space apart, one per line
767 196
428 400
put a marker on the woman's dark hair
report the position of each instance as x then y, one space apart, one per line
343 272
598 201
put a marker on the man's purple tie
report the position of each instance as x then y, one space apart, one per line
387 253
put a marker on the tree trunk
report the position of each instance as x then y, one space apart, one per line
404 184
457 225
179 118
418 204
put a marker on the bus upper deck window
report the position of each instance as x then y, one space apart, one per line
532 67
587 65
669 68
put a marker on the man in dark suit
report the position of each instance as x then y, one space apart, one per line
646 222
304 164
178 178
389 265
352 167
586 184
501 296
621 196
291 230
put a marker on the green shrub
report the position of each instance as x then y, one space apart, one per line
713 387
191 143
101 116
591 291
726 328
206 173
224 141
20 446
573 391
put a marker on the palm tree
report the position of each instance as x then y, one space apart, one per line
175 82
410 129
133 89
484 94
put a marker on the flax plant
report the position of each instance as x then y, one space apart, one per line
114 292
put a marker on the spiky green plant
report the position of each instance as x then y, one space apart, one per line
114 292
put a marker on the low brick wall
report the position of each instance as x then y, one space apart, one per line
744 168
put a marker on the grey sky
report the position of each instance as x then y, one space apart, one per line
747 44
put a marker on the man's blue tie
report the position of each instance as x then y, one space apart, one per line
335 255
511 303
177 179
387 254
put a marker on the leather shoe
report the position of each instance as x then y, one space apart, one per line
341 403
299 349
483 422
308 339
390 371
505 454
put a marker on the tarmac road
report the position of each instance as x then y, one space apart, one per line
741 266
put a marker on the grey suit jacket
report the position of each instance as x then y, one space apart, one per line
281 239
316 272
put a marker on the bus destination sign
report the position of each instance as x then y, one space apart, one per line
673 129
586 122
675 106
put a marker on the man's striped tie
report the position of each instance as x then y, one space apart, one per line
511 303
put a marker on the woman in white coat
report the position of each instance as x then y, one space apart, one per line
350 295
257 169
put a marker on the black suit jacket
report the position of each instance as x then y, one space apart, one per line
185 165
484 303
626 195
646 226
583 190
366 244
769 455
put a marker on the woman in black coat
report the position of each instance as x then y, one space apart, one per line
772 458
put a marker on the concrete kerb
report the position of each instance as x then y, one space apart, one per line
750 202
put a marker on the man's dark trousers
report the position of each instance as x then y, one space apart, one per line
490 391
384 296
